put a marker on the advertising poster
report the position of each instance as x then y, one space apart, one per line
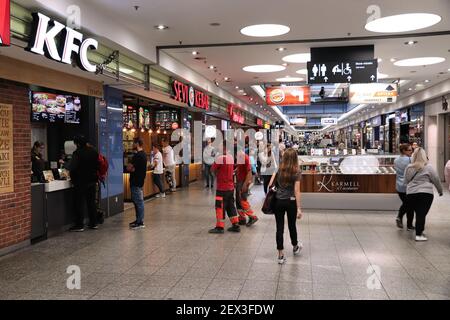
288 96
6 149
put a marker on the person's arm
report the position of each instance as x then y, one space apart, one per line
447 172
436 181
298 199
272 180
155 161
74 163
408 174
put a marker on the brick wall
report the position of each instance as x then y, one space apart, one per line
15 208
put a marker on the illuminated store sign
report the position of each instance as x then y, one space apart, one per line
190 96
60 43
5 21
234 115
373 93
294 96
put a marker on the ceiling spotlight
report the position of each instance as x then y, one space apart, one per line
423 61
211 67
426 81
237 87
393 59
251 99
216 83
403 22
195 53
410 43
281 49
226 79
214 24
265 30
161 27
380 60
409 89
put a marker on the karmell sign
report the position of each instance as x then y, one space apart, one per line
6 149
5 23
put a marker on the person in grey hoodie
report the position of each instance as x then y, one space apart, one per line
400 165
420 178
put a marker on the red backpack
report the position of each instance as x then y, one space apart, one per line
103 167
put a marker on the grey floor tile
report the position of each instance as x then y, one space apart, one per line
228 294
194 283
363 293
178 293
161 281
156 293
250 295
259 285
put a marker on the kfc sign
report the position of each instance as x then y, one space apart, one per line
235 116
5 23
60 43
190 96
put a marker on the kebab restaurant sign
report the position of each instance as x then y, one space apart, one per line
60 43
190 96
6 149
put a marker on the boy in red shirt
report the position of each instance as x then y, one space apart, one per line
243 180
223 167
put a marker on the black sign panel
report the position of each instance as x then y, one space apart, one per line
348 53
364 71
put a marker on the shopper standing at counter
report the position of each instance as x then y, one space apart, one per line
83 172
169 164
209 155
420 177
138 171
37 162
400 165
158 171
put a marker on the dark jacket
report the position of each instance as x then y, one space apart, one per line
83 167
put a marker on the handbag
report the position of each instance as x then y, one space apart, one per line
270 200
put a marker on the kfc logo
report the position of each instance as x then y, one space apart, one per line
5 23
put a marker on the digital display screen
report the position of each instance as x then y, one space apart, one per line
55 108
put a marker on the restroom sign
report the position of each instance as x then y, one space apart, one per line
5 23
364 71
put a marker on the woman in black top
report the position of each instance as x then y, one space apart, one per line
287 182
37 161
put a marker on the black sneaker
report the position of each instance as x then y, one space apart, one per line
410 228
234 228
93 227
137 226
252 221
131 223
399 223
76 229
216 230
242 222
207 186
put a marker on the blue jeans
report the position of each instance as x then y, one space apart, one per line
137 196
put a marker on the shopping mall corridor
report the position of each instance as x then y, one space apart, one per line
176 258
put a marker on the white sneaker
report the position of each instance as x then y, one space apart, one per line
282 260
421 238
298 248
158 195
163 195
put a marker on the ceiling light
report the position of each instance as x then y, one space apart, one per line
289 79
382 75
211 67
393 59
161 27
410 43
380 60
281 49
195 53
265 30
448 69
420 85
424 61
298 58
284 64
426 81
126 71
262 68
237 87
226 78
409 89
403 22
302 71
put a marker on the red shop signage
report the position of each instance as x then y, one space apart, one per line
259 122
190 96
5 23
234 115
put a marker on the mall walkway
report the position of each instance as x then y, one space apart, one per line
176 258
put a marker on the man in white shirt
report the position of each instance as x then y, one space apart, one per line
158 171
169 164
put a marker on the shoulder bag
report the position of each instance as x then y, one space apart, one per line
269 202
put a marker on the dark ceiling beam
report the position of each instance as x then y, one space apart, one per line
278 42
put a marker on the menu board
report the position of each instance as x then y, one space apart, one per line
130 117
6 149
55 108
165 119
147 122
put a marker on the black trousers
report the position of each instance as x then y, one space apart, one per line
85 197
281 208
266 181
421 204
405 209
157 180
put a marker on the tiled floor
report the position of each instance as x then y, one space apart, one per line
176 258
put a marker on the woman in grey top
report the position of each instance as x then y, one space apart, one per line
400 165
420 178
287 182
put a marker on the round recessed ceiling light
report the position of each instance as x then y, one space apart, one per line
265 30
409 89
298 58
426 81
382 76
211 67
161 27
424 61
289 79
403 22
410 43
281 49
195 53
237 87
302 71
262 68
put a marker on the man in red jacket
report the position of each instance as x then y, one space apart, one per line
223 167
243 180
